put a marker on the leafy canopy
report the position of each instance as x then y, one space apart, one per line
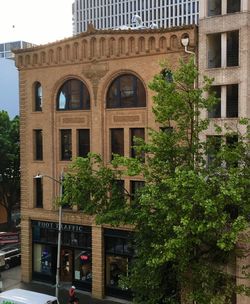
10 162
190 217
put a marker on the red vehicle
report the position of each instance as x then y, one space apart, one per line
9 238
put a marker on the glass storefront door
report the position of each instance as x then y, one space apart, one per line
66 265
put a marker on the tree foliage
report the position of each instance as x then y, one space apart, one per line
190 217
10 163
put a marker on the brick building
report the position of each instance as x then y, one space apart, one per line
85 93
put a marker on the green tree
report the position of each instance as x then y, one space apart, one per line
190 217
10 163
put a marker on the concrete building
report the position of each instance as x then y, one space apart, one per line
68 107
6 47
9 97
105 14
224 55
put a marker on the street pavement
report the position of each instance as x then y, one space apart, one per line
12 279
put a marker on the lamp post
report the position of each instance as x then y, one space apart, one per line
59 228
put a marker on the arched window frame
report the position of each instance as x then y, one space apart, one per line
83 101
133 97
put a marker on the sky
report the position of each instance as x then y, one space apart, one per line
35 21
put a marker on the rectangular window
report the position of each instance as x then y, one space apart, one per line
139 133
214 7
135 187
119 252
66 144
232 142
233 6
214 145
215 112
83 142
38 145
117 142
118 189
232 100
233 48
214 51
38 192
42 259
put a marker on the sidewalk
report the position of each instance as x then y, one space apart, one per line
84 297
12 279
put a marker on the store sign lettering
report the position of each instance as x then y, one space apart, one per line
64 227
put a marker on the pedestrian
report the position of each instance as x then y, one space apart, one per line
72 297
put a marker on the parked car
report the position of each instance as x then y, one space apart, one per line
12 255
21 296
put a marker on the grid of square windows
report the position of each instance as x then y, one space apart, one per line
116 13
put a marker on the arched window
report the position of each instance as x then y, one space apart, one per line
73 95
126 91
38 95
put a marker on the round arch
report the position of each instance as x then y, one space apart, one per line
125 90
72 94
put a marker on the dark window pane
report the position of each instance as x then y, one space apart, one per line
38 193
214 51
73 95
52 236
215 112
214 145
38 96
231 141
118 189
139 133
232 100
135 188
66 145
126 91
113 96
117 142
233 48
233 6
83 142
232 157
214 7
167 75
38 144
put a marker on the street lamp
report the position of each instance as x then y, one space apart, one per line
185 43
59 228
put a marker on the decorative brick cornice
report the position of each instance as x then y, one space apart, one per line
104 45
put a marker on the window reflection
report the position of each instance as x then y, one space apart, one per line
83 266
42 259
38 96
126 91
73 95
116 266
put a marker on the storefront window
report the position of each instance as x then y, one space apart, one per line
52 236
83 266
118 256
42 259
116 267
75 255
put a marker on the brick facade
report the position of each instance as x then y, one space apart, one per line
96 58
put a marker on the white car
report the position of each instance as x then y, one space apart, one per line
22 296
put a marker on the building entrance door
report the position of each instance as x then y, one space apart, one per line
66 265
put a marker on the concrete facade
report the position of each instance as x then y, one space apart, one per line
222 22
114 14
96 58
